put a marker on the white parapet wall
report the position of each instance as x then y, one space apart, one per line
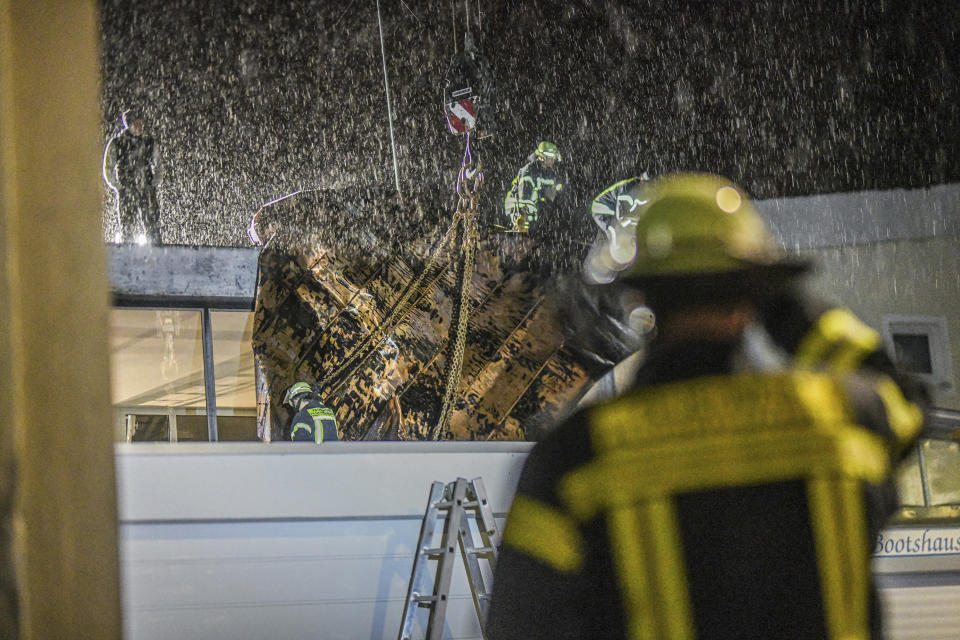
294 541
288 541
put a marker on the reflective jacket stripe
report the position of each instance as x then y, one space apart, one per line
545 533
838 341
811 435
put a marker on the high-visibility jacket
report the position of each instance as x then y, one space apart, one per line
532 189
706 504
619 204
314 423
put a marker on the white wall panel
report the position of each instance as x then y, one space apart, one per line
923 613
289 541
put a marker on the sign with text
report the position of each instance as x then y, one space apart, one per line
917 541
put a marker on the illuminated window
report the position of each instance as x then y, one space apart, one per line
160 383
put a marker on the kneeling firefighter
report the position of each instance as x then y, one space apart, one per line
735 490
314 421
534 190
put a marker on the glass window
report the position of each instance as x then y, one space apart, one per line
234 375
909 481
193 428
156 359
912 352
158 377
942 459
147 428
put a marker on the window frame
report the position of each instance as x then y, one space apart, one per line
209 371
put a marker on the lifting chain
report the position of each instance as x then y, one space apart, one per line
469 181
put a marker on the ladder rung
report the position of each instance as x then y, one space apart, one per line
436 551
423 599
451 503
478 550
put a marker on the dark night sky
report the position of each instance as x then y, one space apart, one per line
252 99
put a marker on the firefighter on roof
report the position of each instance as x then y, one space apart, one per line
534 190
134 173
314 421
619 205
729 493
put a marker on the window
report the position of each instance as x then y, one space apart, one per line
920 345
928 476
234 375
159 381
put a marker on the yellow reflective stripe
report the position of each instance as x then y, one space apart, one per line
857 545
700 407
612 187
297 427
670 570
838 340
651 570
633 572
802 428
904 417
860 453
829 554
544 533
619 479
838 519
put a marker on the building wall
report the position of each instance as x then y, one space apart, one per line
288 541
291 541
902 277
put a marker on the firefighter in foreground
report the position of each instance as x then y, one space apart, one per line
314 421
726 495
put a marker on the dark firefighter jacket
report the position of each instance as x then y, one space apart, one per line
534 189
619 204
706 504
314 423
135 158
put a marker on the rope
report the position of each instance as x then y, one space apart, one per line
469 181
386 88
453 21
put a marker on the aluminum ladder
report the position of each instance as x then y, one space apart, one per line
454 499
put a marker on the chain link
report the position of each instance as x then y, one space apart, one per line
469 181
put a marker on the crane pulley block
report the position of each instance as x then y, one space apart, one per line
468 92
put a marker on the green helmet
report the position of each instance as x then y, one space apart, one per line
296 389
547 150
697 224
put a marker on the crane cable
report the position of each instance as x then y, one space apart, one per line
386 89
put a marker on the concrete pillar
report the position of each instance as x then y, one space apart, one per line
54 376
